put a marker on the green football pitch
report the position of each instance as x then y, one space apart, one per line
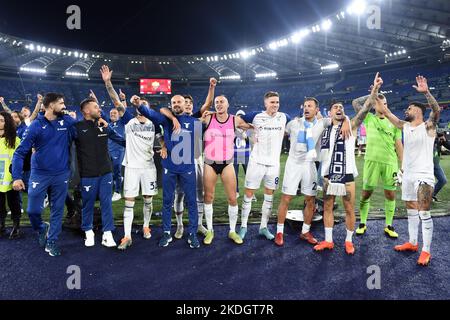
220 203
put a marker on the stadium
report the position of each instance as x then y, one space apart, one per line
334 59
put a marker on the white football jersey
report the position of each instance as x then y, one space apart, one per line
140 138
268 138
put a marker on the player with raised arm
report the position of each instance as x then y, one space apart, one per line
418 177
305 133
199 166
339 170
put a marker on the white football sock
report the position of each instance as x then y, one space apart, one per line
266 210
128 216
306 228
427 230
349 236
329 234
233 213
413 225
280 228
246 208
209 216
148 210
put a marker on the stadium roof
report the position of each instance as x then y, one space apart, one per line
346 40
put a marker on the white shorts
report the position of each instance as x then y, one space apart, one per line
257 172
304 174
362 140
146 179
410 186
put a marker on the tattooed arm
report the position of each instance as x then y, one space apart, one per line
362 113
359 103
106 76
432 122
3 104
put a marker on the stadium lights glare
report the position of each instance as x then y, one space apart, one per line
33 70
233 77
266 75
316 28
326 25
298 36
330 67
76 74
277 44
357 7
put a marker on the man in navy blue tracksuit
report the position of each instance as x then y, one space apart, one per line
117 151
49 136
95 167
179 163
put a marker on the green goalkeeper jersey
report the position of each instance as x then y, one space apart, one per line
381 137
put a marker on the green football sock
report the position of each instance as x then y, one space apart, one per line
389 209
364 207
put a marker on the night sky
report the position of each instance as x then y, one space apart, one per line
163 27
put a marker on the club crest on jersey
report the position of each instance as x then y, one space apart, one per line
87 188
35 184
187 125
61 123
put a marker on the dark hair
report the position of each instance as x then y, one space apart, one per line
85 102
51 97
312 99
144 99
419 105
271 94
188 96
10 130
26 107
381 96
336 102
18 114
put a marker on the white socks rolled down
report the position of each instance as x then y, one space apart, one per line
148 210
427 230
246 208
209 216
329 234
233 212
349 237
128 216
266 210
413 226
306 228
280 228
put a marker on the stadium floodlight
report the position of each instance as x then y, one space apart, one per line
53 50
316 28
330 67
75 54
33 70
232 77
404 51
245 54
357 7
273 46
216 58
76 74
326 25
265 75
